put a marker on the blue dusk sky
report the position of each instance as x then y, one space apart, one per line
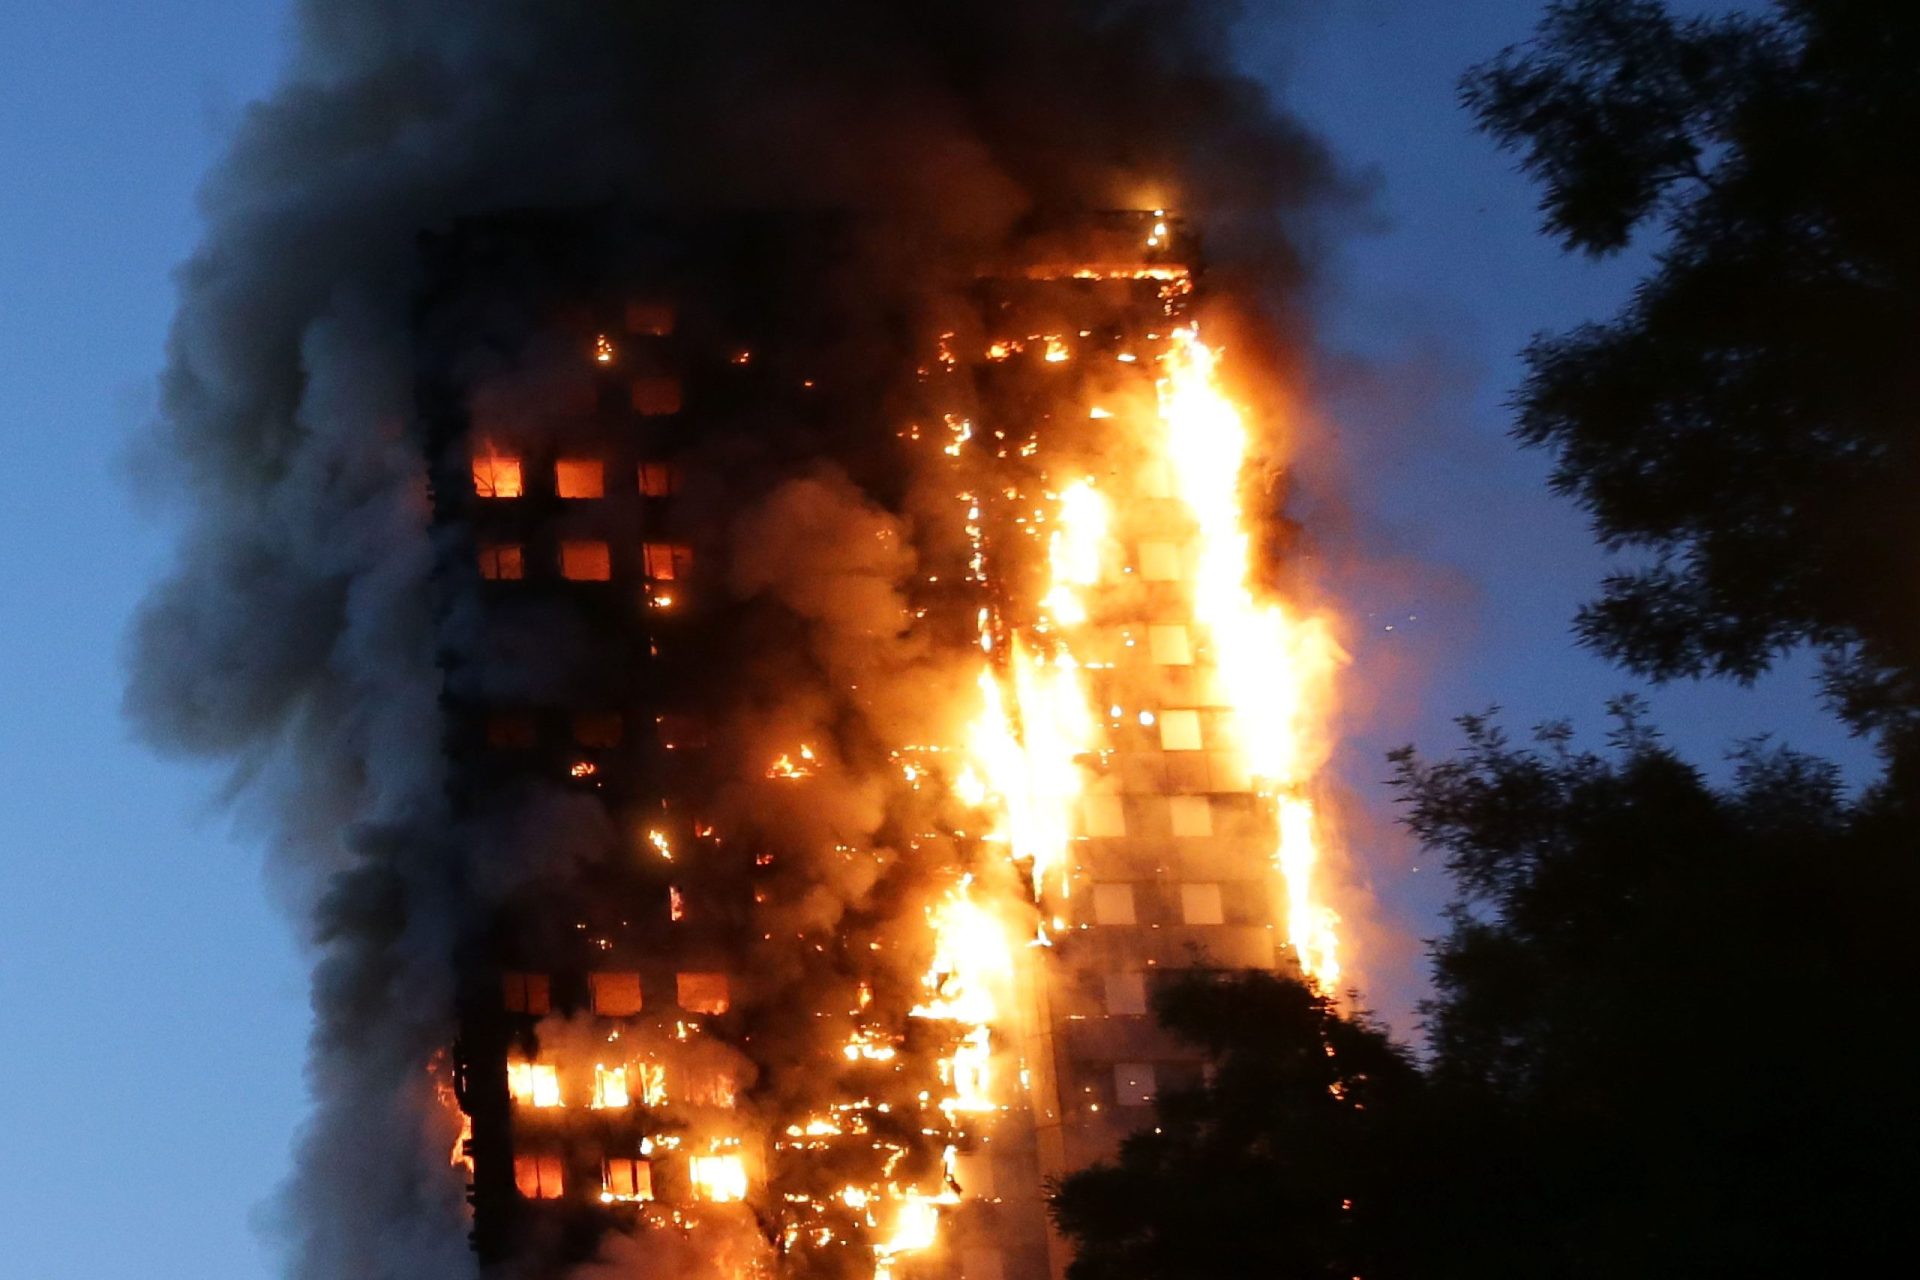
153 997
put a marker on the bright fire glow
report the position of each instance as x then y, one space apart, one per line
609 1087
1273 663
719 1179
534 1084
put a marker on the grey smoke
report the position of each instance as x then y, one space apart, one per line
293 640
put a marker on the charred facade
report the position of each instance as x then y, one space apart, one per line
762 552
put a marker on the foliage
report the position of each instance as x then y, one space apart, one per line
1664 1007
1664 1043
1278 1165
1745 427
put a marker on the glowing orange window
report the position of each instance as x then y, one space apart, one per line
496 476
503 562
579 478
704 992
602 729
539 1177
720 1179
610 1087
656 396
625 1180
585 561
615 995
658 479
667 561
526 993
534 1084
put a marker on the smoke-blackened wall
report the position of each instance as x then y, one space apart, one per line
296 638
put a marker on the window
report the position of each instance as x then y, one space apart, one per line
526 993
502 562
1227 771
1180 730
719 1179
495 476
600 729
712 1087
615 995
625 1180
652 317
1133 1084
579 478
609 1087
703 992
539 1177
512 731
1160 562
656 396
1170 645
585 561
651 1077
1192 815
659 479
1113 904
1126 994
667 561
534 1084
1202 904
1104 815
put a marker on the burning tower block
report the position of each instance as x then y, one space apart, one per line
853 673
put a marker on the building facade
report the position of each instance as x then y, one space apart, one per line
771 965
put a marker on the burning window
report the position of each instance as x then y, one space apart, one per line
626 1181
1133 1084
1160 561
526 993
615 995
609 1088
512 731
601 729
1113 904
718 1179
651 1079
1180 731
579 478
650 317
667 561
704 992
1170 645
1103 815
1126 994
585 561
656 396
503 562
539 1177
496 476
659 479
1191 815
534 1084
1202 904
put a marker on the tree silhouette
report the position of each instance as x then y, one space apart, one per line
1745 426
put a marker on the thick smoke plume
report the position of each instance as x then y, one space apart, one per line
294 640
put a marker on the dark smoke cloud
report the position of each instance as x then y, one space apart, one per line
294 641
